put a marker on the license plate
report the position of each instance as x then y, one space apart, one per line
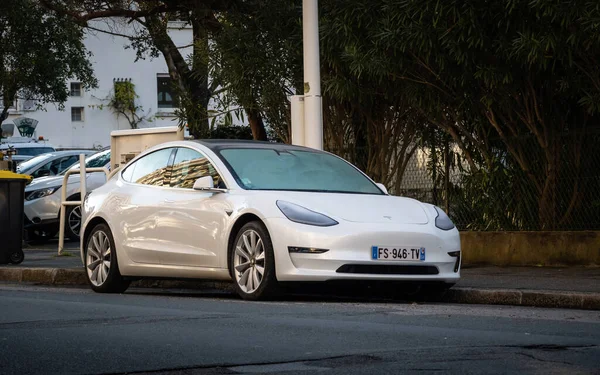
397 253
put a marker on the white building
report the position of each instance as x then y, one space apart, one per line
82 124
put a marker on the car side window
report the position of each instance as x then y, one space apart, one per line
150 170
66 162
44 170
51 168
188 166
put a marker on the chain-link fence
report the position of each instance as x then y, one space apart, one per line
554 186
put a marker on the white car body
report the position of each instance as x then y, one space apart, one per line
184 233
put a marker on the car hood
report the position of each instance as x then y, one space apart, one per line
362 208
50 181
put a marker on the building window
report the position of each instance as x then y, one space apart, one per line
77 114
75 88
165 92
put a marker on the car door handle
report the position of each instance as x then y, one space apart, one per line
169 201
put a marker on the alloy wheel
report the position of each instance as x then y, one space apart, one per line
75 220
98 258
249 261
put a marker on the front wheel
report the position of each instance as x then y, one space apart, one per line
253 263
101 266
73 222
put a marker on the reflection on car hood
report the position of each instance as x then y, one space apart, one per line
362 208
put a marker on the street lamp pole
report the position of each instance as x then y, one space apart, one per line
313 105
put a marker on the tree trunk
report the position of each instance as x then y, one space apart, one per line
256 125
191 84
4 114
361 158
197 79
548 201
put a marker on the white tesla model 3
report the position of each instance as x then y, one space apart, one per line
258 213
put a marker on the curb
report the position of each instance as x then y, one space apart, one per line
511 297
532 298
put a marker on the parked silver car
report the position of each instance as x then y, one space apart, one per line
52 163
43 200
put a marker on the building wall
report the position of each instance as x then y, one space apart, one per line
111 60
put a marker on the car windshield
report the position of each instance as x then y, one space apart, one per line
33 162
97 160
291 170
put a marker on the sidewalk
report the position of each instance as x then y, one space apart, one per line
572 287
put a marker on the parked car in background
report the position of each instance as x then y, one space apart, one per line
43 200
52 163
259 213
26 150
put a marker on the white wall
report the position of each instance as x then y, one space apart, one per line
110 60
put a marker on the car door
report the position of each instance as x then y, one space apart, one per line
143 216
196 219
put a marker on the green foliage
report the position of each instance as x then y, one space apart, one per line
39 52
503 70
255 60
231 132
122 102
124 97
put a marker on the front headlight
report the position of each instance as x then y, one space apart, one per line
303 215
37 194
442 220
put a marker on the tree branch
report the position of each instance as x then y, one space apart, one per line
83 18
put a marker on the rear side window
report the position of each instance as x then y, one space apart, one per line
150 169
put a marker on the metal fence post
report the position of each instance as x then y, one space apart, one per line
63 198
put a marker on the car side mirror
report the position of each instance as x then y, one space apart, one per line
206 184
43 173
382 187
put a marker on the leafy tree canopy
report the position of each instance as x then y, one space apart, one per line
39 52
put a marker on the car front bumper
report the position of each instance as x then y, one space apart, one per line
349 248
45 209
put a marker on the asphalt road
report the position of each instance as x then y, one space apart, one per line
63 331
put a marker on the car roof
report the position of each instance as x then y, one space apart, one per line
25 145
219 144
70 152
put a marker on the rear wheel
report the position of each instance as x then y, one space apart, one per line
17 257
101 266
253 263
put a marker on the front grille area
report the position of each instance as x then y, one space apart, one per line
387 269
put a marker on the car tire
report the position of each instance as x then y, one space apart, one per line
40 236
17 257
73 222
252 251
101 265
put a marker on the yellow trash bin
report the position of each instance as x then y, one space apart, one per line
12 191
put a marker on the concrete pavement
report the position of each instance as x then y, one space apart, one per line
570 287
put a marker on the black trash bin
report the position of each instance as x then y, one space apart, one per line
12 190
